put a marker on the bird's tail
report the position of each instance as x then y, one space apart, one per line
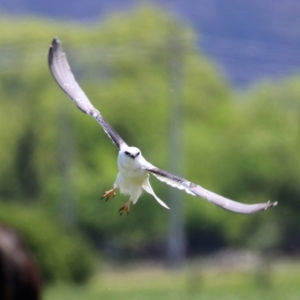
147 187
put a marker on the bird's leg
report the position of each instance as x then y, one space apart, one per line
109 194
125 208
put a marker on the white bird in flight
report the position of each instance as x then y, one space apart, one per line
134 169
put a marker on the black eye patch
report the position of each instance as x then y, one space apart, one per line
127 153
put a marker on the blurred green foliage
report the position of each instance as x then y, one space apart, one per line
61 257
241 145
196 281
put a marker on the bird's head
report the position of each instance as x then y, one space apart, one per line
131 152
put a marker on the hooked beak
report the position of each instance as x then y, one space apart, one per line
134 156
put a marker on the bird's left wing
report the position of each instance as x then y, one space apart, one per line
63 75
197 190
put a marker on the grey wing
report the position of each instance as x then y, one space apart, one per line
197 190
63 75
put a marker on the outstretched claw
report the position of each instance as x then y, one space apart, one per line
109 195
125 208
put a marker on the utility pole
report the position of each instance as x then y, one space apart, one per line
65 160
176 237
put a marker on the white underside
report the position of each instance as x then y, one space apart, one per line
133 183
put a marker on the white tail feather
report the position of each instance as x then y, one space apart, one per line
147 187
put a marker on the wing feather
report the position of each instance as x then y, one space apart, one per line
197 190
61 71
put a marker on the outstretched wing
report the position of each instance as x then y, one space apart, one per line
197 190
63 75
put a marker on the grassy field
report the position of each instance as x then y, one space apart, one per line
148 282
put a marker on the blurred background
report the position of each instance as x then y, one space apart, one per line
208 90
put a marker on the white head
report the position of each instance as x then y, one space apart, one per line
128 158
131 152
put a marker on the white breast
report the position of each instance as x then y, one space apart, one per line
132 171
131 177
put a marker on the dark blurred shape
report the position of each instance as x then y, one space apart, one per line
20 278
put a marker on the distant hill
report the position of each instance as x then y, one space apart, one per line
248 39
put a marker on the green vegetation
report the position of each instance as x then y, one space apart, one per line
56 162
61 257
146 282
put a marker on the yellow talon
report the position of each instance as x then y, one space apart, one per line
109 195
125 208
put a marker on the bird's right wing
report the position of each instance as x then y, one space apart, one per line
197 190
63 75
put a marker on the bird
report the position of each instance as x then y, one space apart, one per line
134 169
